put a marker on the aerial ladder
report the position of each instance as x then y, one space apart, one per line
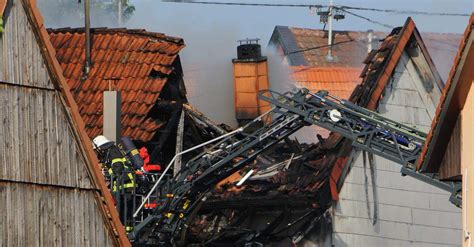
180 197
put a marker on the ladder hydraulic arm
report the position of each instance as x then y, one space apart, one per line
369 131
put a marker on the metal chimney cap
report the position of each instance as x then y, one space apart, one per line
248 41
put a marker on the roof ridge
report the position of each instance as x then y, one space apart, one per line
394 44
106 30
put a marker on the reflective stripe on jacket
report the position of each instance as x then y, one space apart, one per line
129 181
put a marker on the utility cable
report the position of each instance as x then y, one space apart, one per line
340 7
320 47
250 4
367 19
409 12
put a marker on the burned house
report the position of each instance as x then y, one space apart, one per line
329 194
52 192
144 66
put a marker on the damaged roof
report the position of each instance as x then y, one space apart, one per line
381 63
291 176
307 47
136 62
327 160
451 103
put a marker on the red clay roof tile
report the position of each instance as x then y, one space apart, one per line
124 59
338 81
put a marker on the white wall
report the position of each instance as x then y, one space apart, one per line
410 212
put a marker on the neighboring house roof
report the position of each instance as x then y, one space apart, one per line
308 47
136 62
451 103
337 81
104 200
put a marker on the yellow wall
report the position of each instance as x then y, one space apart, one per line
467 168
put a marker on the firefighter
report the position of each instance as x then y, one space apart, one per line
122 180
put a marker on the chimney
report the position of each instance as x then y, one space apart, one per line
112 125
370 37
250 77
87 24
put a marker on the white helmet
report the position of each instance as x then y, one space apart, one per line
99 141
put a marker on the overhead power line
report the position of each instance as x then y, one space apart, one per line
367 19
320 47
409 12
342 7
250 4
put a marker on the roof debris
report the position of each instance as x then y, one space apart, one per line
309 174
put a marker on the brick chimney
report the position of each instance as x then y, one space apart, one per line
250 76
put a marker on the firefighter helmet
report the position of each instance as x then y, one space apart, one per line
99 141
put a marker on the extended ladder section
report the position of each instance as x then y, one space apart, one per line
369 131
187 190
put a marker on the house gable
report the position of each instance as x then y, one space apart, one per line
51 189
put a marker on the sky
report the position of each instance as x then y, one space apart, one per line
211 33
260 21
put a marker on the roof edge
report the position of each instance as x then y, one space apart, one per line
295 59
389 66
105 30
103 197
427 163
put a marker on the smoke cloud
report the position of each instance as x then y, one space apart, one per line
70 13
206 60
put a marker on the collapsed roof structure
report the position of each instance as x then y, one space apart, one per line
294 185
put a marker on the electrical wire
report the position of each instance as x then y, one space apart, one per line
367 19
251 4
408 12
341 7
320 47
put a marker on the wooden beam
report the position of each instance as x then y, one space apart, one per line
202 118
179 144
